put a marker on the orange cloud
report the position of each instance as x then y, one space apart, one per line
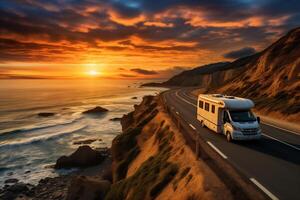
114 16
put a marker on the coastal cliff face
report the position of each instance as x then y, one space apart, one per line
271 78
152 161
208 76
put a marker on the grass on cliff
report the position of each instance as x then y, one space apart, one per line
125 147
151 177
125 151
183 173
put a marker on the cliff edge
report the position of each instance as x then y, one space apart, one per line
151 160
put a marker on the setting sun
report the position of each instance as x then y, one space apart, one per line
93 73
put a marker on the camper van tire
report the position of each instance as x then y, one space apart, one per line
202 124
228 136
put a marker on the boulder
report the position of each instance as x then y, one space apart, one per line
18 188
84 156
11 180
84 187
87 141
116 119
11 192
134 98
96 110
46 114
10 173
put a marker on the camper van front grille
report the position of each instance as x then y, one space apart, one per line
250 131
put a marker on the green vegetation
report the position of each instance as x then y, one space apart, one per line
188 179
125 150
122 167
151 177
183 173
167 176
148 118
124 143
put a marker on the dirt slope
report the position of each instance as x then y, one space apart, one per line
152 161
272 78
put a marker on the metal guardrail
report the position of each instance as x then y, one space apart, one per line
189 133
239 185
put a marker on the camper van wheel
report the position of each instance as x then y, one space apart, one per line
228 136
202 124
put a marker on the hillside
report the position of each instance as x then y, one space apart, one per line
211 75
271 78
153 160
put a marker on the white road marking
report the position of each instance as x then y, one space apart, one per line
292 146
193 127
185 100
265 190
189 96
281 128
216 149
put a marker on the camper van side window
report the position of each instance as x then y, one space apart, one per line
201 104
207 107
213 108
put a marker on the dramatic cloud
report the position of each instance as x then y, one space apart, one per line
144 71
246 51
139 33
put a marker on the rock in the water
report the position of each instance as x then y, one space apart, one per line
10 173
116 119
8 195
84 187
87 141
96 110
18 188
46 114
13 191
11 180
84 156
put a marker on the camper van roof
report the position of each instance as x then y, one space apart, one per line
230 102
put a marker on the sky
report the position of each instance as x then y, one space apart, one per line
134 38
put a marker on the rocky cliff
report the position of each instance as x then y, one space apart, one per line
211 75
271 78
151 161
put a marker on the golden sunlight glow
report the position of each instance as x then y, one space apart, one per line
93 73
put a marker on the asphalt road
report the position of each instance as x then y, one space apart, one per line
272 163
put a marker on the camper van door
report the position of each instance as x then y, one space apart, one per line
226 122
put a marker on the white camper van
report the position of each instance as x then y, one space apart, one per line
229 115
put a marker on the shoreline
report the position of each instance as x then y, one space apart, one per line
149 138
55 187
31 143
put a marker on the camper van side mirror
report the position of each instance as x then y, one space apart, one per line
258 119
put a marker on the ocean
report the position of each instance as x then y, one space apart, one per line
30 144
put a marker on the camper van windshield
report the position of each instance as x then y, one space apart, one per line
242 116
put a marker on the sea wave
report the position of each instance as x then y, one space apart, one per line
42 138
38 127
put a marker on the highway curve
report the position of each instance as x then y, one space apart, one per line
272 163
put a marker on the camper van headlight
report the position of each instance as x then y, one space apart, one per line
236 128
